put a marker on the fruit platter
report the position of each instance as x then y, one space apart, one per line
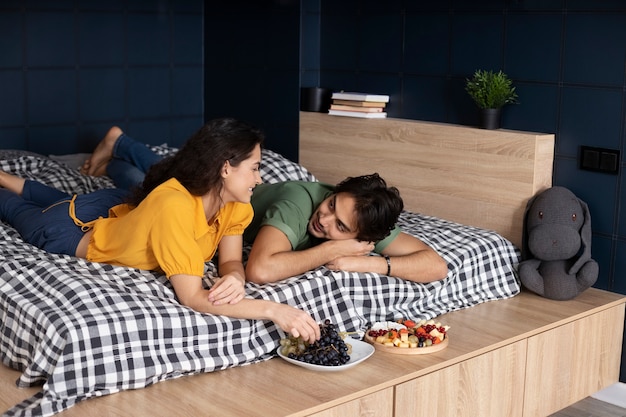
332 352
408 337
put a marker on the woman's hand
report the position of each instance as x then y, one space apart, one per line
229 289
296 322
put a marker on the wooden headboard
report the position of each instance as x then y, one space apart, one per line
472 176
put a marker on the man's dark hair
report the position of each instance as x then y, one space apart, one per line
378 206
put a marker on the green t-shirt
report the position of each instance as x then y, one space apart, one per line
288 206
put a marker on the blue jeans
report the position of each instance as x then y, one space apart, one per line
130 162
41 214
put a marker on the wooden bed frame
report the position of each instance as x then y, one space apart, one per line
472 176
524 356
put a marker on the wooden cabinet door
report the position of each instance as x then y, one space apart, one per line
379 404
573 361
488 385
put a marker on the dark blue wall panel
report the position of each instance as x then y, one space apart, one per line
252 67
71 69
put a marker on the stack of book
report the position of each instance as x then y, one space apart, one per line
370 106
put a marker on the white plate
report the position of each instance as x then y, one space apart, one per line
360 352
387 325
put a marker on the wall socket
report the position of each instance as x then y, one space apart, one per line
599 159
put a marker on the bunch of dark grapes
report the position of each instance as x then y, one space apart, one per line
329 350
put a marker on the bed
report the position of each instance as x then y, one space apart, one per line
73 330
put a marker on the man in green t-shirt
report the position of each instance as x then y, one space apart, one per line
299 226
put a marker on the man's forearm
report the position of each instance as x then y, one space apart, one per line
287 264
421 266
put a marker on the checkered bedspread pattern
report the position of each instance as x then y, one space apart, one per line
85 329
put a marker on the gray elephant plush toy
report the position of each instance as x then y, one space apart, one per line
556 245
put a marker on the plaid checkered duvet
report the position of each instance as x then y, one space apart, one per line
85 329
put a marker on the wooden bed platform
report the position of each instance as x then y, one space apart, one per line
526 356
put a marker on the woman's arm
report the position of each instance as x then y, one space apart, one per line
298 323
230 287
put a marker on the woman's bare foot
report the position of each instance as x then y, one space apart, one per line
97 163
12 182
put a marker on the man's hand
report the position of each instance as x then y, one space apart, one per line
349 247
345 263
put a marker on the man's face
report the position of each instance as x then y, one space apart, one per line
335 218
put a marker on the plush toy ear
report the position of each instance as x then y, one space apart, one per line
585 237
526 254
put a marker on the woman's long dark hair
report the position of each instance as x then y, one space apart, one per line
198 163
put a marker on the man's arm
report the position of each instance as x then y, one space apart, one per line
272 259
410 259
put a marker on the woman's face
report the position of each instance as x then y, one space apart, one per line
239 181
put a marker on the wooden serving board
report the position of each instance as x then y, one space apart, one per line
407 351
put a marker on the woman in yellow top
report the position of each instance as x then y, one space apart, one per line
189 205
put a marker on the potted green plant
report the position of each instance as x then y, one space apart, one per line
491 91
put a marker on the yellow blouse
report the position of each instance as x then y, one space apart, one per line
168 231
